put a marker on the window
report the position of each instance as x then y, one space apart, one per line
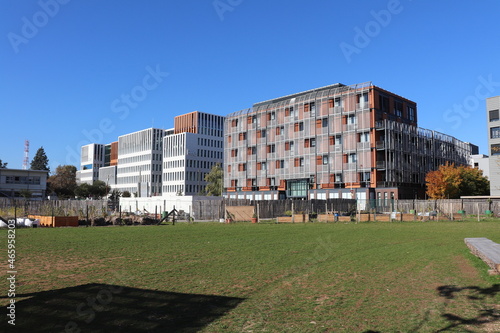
384 103
494 115
325 122
495 132
234 122
325 159
271 148
338 139
338 178
411 113
252 119
271 115
289 145
313 109
261 134
352 158
351 119
364 137
337 101
306 107
242 136
495 149
398 108
280 164
242 167
251 150
313 142
298 127
229 168
234 153
307 143
280 130
364 176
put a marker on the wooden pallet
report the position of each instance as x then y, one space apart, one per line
487 250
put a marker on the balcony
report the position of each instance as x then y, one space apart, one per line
380 144
363 145
350 166
381 164
379 125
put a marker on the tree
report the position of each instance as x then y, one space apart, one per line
214 179
99 189
126 194
452 182
63 182
82 190
40 161
3 165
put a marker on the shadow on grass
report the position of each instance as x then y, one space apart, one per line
484 301
112 308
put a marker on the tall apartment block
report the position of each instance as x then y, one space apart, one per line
336 141
493 116
189 153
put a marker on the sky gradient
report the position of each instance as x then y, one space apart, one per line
76 72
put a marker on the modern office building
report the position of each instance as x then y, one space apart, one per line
139 164
336 141
91 159
154 161
493 116
195 146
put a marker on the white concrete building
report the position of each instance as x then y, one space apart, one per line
482 162
139 165
493 117
91 159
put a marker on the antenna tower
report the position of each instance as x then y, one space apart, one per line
26 154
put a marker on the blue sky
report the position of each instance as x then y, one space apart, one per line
78 71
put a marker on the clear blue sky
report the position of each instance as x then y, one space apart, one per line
66 70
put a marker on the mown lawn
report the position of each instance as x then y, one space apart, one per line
387 277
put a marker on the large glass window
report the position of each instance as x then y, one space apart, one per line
495 149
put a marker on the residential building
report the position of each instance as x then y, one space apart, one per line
493 116
196 145
358 141
13 182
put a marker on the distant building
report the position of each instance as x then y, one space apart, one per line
493 116
481 162
14 181
154 161
196 145
338 141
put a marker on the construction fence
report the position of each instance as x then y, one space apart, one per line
214 209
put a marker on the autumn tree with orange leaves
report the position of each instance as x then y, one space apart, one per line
452 182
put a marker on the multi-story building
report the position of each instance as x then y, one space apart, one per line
154 161
91 159
139 165
190 152
336 141
493 116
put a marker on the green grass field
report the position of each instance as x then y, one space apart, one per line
368 277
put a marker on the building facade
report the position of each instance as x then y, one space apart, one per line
139 165
338 141
154 162
13 182
493 117
190 152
